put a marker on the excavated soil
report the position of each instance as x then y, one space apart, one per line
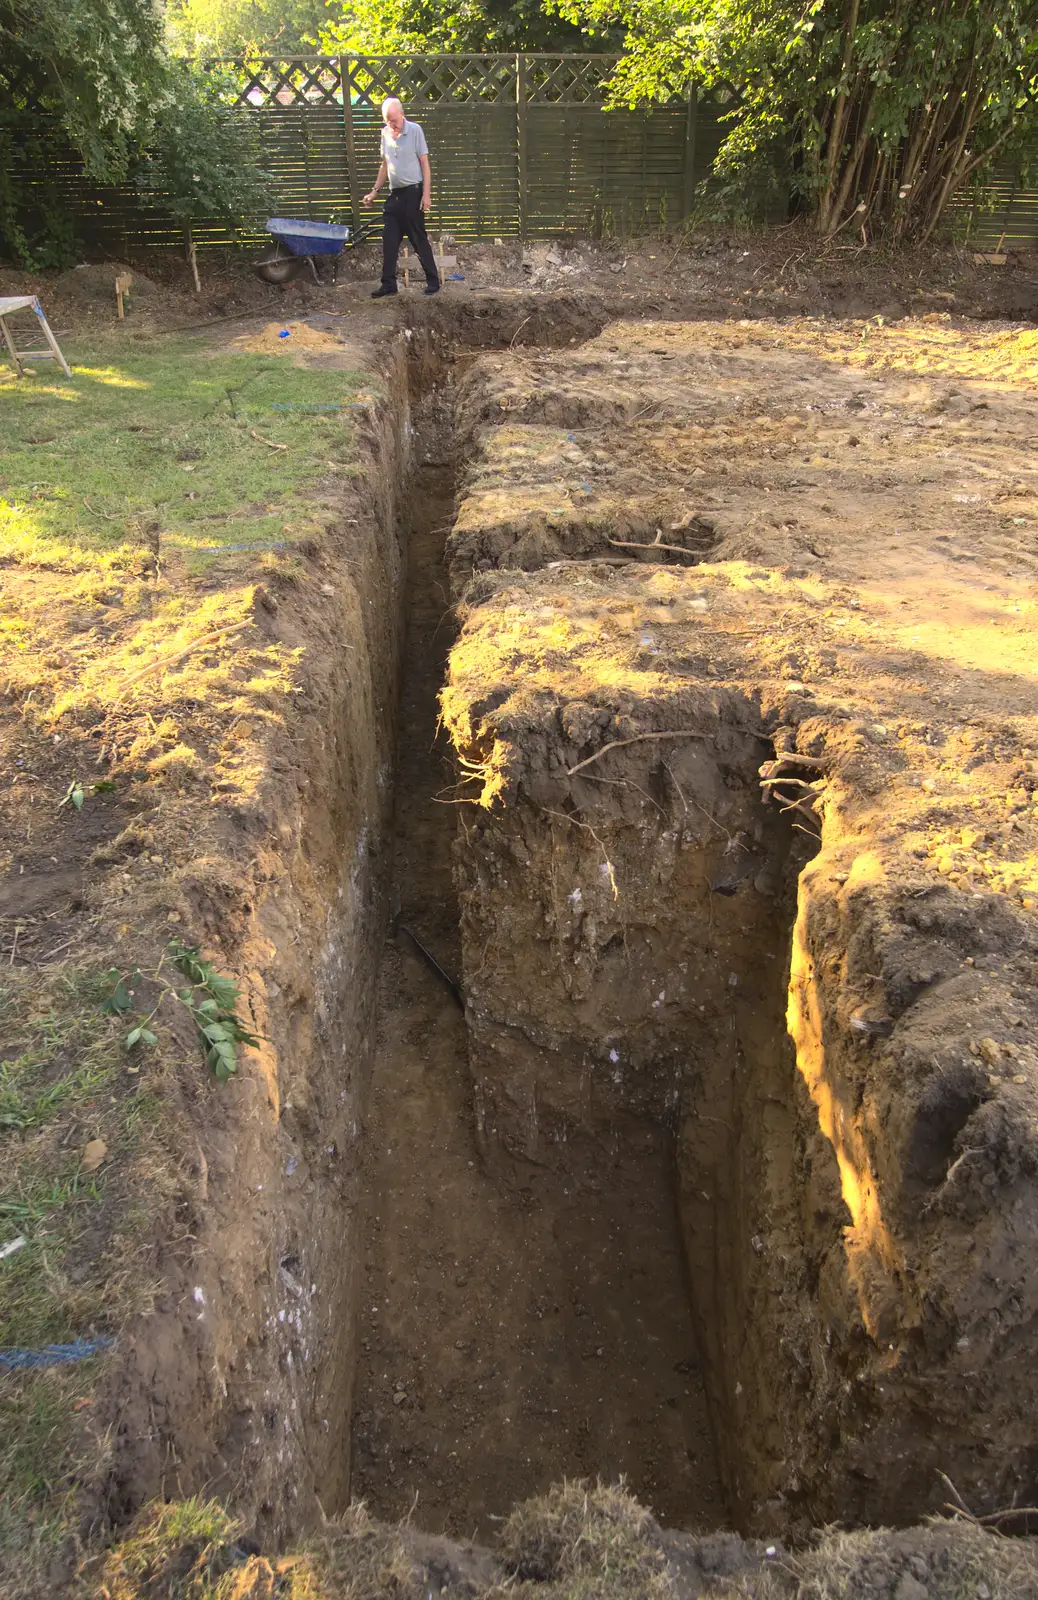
725 1178
857 1193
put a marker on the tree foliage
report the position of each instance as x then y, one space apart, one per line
96 75
878 110
202 157
232 27
376 27
95 64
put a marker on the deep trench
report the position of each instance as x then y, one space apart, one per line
511 1334
638 1209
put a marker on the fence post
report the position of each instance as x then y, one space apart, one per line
520 114
352 175
688 196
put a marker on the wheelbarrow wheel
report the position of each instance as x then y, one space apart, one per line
279 269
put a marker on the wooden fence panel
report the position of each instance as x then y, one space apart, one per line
1003 213
304 148
475 166
604 173
521 146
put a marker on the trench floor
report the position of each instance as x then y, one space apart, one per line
512 1331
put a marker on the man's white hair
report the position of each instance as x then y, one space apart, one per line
391 100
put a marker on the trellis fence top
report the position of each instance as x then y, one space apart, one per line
532 77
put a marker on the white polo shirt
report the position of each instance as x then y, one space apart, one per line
401 151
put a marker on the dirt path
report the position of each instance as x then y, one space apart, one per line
513 1331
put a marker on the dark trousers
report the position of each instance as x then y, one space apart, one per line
404 218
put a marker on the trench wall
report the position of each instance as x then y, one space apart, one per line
241 1382
657 945
626 949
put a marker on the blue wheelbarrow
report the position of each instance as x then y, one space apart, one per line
297 242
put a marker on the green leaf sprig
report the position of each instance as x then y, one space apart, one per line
211 999
213 1002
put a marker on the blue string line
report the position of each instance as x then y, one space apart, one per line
54 1355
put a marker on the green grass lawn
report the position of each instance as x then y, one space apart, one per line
164 443
75 1228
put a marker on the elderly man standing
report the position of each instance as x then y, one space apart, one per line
405 163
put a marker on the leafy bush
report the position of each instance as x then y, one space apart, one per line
376 27
878 110
202 158
251 27
95 75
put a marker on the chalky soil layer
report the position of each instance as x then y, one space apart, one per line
749 1108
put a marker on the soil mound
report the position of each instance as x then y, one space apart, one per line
287 338
92 287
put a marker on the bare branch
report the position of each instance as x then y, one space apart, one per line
630 544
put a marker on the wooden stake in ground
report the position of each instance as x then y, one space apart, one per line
192 257
442 263
122 287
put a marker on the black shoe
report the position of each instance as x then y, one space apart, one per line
380 294
433 288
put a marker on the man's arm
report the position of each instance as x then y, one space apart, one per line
369 198
423 162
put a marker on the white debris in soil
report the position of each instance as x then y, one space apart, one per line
546 265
